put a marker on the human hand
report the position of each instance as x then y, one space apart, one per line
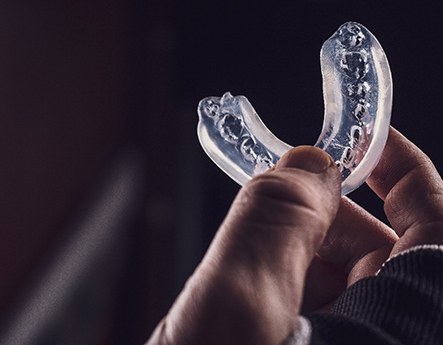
248 288
357 244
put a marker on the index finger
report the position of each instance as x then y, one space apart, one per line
412 189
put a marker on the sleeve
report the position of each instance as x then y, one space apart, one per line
402 304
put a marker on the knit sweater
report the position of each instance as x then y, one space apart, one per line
401 305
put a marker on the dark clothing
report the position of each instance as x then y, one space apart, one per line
402 305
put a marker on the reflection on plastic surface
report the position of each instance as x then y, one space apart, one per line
357 89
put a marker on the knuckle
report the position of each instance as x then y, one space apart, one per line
417 198
278 198
279 188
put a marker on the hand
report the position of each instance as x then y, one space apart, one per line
357 244
248 288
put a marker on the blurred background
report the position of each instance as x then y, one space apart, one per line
107 201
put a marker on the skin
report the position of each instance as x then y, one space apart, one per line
290 243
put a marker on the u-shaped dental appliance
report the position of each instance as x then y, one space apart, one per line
357 91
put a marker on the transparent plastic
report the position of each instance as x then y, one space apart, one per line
357 90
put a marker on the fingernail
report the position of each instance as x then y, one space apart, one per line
307 158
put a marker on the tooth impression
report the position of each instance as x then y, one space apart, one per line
357 90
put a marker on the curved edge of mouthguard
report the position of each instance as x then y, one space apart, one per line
234 137
357 88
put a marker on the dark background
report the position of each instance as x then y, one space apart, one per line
107 201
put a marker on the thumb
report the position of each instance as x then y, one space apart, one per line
285 212
249 286
274 228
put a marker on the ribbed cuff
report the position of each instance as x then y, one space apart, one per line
405 299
